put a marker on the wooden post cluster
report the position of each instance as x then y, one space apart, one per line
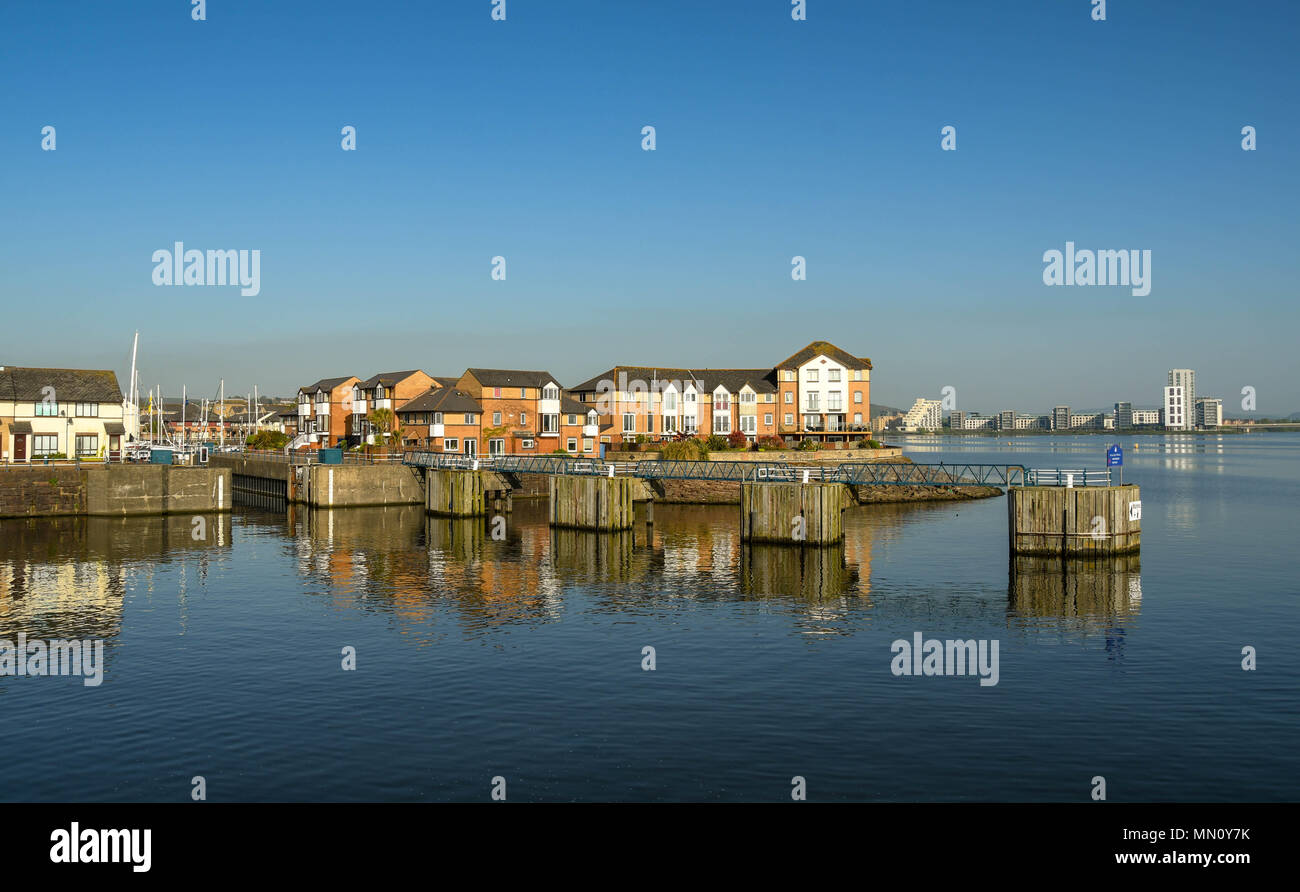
452 493
1081 521
792 513
593 503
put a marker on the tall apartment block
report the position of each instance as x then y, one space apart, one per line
1185 381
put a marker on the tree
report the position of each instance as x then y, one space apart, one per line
385 422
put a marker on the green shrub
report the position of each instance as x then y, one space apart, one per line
715 443
689 449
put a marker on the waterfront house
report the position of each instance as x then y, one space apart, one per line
387 390
521 410
45 412
323 410
821 393
442 419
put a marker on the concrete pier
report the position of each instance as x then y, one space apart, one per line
792 513
1081 521
595 503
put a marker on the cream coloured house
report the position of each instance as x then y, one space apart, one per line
45 412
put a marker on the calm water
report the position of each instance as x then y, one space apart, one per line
522 658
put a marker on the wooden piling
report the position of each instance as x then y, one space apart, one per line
792 513
454 493
593 503
1081 521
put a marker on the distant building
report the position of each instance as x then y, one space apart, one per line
1061 418
1209 413
1088 421
1175 414
1123 416
1007 420
924 415
1147 418
1185 381
956 420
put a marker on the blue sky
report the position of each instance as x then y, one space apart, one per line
775 138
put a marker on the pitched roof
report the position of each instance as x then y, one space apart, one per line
389 378
570 406
446 381
824 348
441 399
647 373
325 384
512 377
68 385
706 380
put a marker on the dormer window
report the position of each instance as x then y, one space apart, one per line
550 392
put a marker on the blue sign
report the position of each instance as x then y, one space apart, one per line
1114 456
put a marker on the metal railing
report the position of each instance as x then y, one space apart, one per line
1069 477
856 473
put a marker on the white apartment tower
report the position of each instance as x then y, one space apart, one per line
1185 380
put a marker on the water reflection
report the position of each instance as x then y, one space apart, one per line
67 577
808 574
1089 596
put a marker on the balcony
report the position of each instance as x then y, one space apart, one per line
591 430
436 430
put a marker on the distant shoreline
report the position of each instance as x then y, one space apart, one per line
1236 429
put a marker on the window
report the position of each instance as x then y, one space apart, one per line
87 410
571 444
45 444
379 392
437 418
746 397
769 397
833 375
629 422
722 424
47 410
357 394
496 391
496 419
789 396
857 397
690 396
550 393
834 401
857 418
550 424
811 375
451 445
748 424
690 425
523 393
523 418
767 420
814 402
469 417
721 402
587 445
87 444
670 402
497 447
789 419
857 374
787 375
527 444
573 419
670 424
